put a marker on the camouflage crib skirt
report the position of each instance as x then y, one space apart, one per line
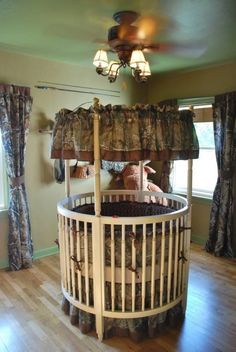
138 327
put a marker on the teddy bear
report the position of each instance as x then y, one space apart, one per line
131 179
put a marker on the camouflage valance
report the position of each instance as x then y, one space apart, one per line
153 132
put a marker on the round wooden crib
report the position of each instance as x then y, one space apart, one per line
123 267
120 271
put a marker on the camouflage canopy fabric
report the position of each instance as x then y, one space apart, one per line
141 132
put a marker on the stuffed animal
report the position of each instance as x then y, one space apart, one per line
131 179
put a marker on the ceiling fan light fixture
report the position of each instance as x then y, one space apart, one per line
139 66
113 68
146 70
100 59
126 42
137 59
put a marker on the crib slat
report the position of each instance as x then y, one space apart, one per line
68 260
180 261
176 257
62 246
170 254
184 251
86 262
123 267
79 278
72 254
134 267
112 269
102 261
162 263
153 265
64 252
60 240
144 250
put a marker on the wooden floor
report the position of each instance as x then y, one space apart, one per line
31 318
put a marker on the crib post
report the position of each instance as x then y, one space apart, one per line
141 181
67 181
97 161
187 233
67 177
97 231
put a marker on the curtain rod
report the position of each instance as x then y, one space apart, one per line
74 86
76 91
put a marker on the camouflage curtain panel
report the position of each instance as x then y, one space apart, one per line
15 107
142 132
167 167
221 219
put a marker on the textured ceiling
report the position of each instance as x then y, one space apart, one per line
68 30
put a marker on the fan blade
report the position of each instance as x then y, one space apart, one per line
100 41
151 25
187 50
108 50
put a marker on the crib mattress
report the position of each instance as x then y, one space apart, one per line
125 209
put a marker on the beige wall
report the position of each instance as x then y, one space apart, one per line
198 83
43 192
200 219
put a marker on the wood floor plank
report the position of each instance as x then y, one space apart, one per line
31 318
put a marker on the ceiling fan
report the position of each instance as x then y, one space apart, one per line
130 39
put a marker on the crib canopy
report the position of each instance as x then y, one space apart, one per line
141 132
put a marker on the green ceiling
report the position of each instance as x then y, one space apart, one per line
67 30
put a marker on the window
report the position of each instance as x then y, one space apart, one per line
3 179
204 168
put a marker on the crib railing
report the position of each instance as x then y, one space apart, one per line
123 267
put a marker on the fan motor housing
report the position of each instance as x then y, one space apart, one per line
124 37
123 40
123 32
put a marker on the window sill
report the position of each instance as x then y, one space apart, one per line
3 213
197 198
202 200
